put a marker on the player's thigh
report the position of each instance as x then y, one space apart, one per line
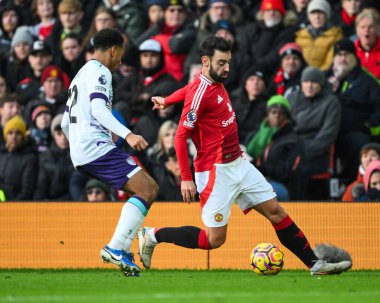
255 189
142 185
217 194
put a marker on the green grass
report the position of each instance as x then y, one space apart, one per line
186 286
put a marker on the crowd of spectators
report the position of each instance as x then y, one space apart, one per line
304 81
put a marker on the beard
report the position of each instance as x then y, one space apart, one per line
217 78
272 22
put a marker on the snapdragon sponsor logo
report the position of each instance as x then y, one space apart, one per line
227 122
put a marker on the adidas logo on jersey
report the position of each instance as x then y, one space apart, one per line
220 99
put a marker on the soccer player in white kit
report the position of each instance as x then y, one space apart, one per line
88 123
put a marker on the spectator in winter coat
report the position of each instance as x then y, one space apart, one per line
368 43
176 35
55 167
18 163
346 13
9 20
9 106
276 148
288 77
316 113
318 38
70 14
358 93
16 61
263 39
372 182
368 153
131 18
249 102
39 132
134 92
299 7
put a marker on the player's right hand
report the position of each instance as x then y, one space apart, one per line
137 142
158 102
188 191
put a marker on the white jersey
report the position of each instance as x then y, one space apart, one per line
89 139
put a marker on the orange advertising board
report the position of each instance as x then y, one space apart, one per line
70 234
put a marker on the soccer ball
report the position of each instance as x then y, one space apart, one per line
266 259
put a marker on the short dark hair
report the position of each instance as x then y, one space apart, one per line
72 36
7 98
212 43
106 38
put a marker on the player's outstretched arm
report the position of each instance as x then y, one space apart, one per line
137 142
176 97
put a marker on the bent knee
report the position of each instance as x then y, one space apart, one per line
217 242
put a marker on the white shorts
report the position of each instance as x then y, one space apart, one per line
235 182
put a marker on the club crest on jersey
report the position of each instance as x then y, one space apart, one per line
102 80
130 161
218 217
190 118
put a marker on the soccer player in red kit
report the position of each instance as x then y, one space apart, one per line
222 175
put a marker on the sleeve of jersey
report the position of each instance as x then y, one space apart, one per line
100 112
65 122
185 128
176 97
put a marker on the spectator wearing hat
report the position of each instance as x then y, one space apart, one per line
288 77
263 39
368 43
358 93
249 102
17 60
134 91
275 147
346 13
9 21
18 163
10 106
175 34
43 13
55 167
70 21
216 10
318 38
316 113
372 182
39 132
368 153
130 16
155 10
29 79
96 191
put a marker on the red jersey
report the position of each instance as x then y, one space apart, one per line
370 59
208 117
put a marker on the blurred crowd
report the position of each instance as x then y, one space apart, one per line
304 81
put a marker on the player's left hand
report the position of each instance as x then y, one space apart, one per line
188 191
137 142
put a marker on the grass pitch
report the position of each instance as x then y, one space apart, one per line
95 285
